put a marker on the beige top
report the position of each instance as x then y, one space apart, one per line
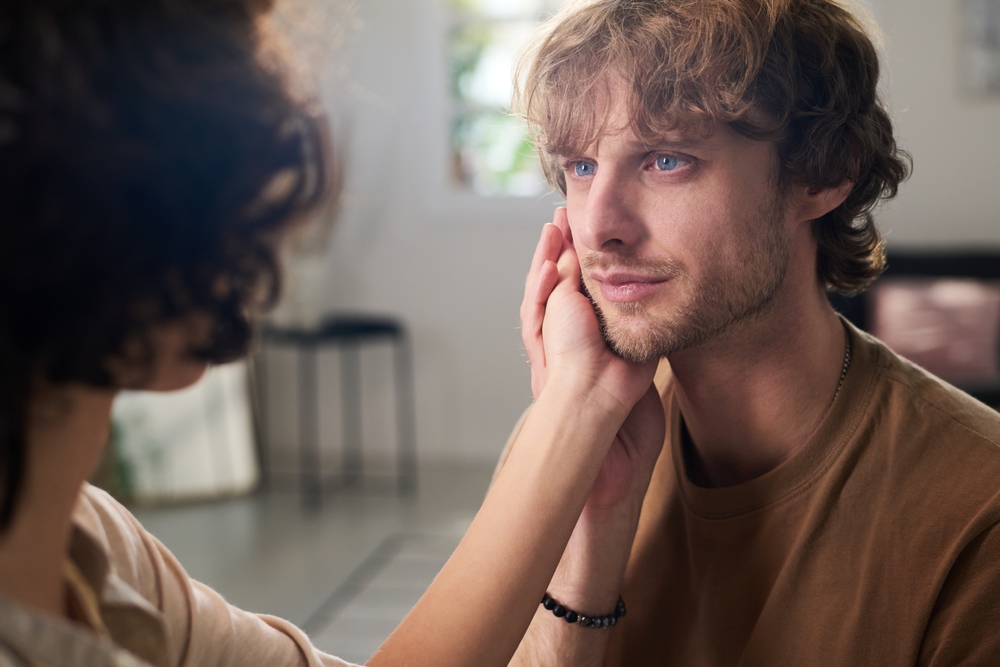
134 606
875 544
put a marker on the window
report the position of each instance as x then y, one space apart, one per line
491 151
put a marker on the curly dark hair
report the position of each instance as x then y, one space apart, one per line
149 161
801 73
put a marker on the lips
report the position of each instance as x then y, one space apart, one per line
625 287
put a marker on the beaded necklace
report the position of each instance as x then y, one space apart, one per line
847 362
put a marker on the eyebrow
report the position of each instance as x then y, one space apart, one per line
639 146
682 143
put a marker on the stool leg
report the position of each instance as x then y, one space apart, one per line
350 400
257 389
406 438
310 474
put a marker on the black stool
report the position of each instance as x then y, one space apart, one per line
347 333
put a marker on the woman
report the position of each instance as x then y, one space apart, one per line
150 166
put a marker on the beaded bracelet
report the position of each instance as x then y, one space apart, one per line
571 616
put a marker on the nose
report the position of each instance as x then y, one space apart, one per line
607 219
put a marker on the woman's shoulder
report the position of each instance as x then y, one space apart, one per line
104 530
180 617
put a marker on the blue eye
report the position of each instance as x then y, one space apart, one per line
584 168
667 162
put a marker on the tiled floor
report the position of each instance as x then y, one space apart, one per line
358 617
348 573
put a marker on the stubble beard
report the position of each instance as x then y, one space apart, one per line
742 291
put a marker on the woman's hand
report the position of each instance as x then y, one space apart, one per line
596 418
567 352
561 333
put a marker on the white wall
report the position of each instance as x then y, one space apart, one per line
452 265
953 197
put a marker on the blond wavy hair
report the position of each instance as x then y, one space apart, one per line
800 73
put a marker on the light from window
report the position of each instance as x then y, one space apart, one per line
492 153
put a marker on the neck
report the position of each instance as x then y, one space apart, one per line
752 398
67 430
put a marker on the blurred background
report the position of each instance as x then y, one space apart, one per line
328 481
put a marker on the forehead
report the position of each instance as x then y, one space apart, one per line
613 110
625 131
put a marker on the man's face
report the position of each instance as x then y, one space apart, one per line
679 242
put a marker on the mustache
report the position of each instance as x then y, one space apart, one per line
659 269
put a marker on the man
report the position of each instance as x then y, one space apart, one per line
818 500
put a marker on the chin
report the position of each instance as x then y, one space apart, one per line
634 336
639 346
638 334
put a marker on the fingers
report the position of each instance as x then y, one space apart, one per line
568 262
548 276
548 248
561 220
542 278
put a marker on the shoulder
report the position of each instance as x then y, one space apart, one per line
931 451
915 400
121 539
147 588
104 517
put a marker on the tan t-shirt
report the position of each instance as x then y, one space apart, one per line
136 607
876 544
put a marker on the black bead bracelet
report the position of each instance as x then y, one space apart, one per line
571 616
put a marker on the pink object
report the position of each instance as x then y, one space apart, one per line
949 326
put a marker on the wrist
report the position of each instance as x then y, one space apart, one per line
617 522
588 393
592 569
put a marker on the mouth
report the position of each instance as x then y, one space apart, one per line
627 287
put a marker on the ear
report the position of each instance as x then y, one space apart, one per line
814 202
